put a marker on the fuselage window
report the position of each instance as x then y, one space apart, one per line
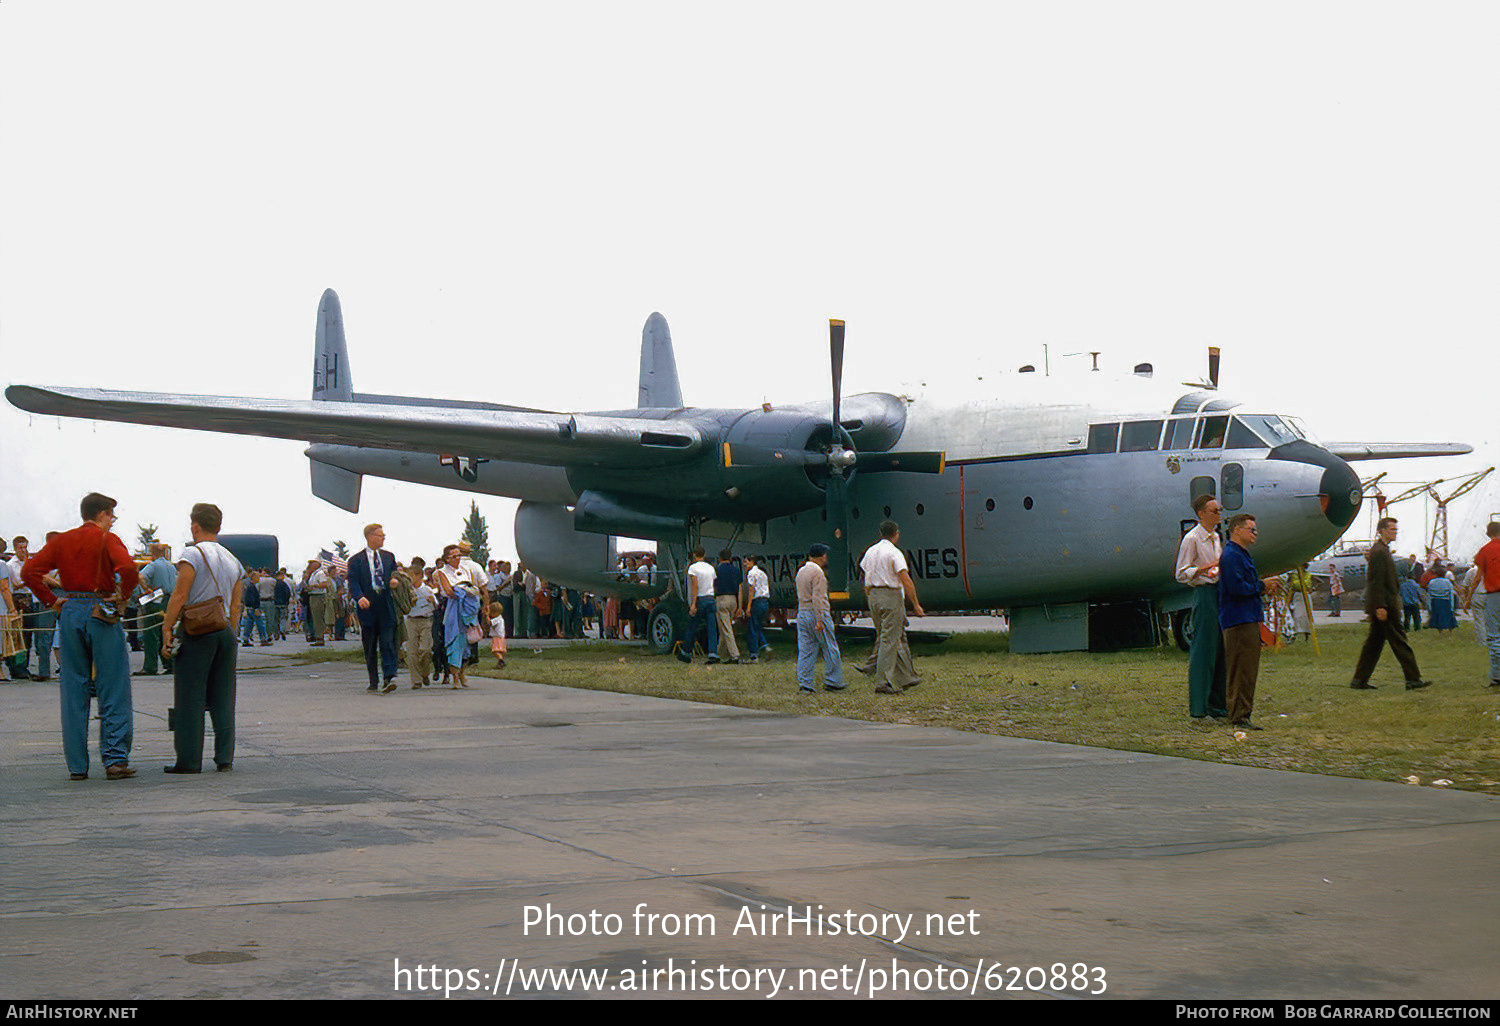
1140 435
1233 477
1201 486
1211 434
1102 437
1179 434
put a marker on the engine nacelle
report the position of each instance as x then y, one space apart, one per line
553 550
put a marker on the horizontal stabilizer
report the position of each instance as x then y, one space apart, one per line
554 439
336 485
1352 452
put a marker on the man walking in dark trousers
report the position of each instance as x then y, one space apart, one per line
1383 603
370 572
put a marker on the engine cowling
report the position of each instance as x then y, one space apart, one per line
552 549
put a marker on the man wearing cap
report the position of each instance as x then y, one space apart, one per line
315 588
815 625
159 575
97 573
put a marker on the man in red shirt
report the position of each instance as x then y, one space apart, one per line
1488 562
96 571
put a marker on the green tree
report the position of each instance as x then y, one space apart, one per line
341 550
147 538
477 535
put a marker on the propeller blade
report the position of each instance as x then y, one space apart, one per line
1213 366
836 358
836 502
906 462
743 455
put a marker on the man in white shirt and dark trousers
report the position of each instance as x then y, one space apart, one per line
700 596
1198 567
815 625
886 581
758 601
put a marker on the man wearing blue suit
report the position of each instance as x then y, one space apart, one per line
370 571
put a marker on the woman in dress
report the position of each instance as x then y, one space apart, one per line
1440 603
460 614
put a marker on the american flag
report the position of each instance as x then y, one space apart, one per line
332 562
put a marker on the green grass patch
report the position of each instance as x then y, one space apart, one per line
1131 701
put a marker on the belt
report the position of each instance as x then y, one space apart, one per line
882 587
84 594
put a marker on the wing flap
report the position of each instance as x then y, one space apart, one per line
555 439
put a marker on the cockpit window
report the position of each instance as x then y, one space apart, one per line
1140 435
1211 433
1179 434
1242 436
1296 427
1267 430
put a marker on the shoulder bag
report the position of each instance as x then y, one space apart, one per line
207 616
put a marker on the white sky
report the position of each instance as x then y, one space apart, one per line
502 192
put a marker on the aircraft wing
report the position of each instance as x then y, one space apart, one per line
525 436
1351 452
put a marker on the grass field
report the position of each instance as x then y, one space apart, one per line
1134 701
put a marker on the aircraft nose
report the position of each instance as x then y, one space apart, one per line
1340 493
1339 490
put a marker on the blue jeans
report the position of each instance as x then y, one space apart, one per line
252 617
90 643
707 612
755 628
809 643
1492 630
42 625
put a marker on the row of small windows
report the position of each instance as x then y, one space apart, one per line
989 506
1241 431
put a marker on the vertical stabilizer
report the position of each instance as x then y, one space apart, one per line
659 386
330 355
331 382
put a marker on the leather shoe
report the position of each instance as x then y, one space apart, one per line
119 771
390 685
1246 725
78 776
223 767
886 689
174 768
908 687
1418 685
1362 685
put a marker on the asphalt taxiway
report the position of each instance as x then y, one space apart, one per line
435 830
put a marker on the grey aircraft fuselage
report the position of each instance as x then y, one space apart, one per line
998 528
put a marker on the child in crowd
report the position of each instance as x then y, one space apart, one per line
497 633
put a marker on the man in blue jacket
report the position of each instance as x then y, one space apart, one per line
370 571
1240 616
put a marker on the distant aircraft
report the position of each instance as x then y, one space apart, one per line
1058 500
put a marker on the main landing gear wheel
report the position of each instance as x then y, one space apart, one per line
1182 628
665 627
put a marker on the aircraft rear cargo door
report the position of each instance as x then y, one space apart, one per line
971 526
